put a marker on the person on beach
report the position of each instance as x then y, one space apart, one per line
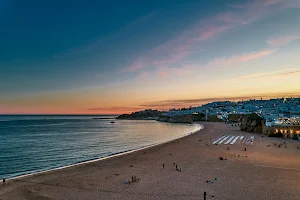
3 181
245 149
163 165
176 167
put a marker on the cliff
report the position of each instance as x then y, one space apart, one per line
177 119
214 118
144 114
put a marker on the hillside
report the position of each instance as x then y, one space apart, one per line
144 114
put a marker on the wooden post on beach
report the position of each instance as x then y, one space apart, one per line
204 195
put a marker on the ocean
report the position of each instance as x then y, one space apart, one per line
34 143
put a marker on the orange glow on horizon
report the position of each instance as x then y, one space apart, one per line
48 105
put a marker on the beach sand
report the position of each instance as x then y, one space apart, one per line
268 172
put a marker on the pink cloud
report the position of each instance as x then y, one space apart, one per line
144 75
281 41
242 58
258 3
271 2
185 70
290 3
212 31
256 9
233 19
228 17
163 73
138 64
180 71
180 47
255 55
174 57
264 75
206 35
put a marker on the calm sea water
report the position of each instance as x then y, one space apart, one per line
35 143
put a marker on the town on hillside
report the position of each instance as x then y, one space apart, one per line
282 114
275 117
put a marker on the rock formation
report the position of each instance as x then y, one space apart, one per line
252 123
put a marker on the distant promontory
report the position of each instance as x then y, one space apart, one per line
150 114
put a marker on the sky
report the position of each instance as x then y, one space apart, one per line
112 57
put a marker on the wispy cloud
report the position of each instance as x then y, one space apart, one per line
265 75
175 55
175 50
185 44
144 76
138 64
271 2
242 58
284 74
268 3
180 71
290 3
163 73
187 69
281 41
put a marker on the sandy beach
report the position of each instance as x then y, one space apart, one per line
262 172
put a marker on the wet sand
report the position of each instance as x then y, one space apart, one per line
268 172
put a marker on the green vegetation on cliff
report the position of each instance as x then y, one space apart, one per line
177 119
144 114
213 118
235 117
252 123
189 118
199 117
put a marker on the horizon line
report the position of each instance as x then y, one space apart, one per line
114 114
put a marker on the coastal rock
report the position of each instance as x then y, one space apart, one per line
252 123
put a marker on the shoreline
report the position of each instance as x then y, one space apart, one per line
183 168
115 155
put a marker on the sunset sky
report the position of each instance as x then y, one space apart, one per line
97 57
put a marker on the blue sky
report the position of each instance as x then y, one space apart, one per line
115 56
